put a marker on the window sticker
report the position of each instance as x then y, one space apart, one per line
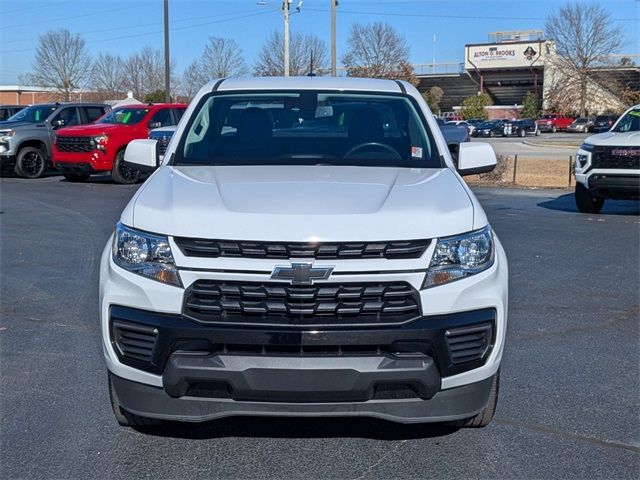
416 152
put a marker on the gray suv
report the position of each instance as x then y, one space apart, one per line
25 138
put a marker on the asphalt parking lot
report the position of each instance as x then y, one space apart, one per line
570 390
550 146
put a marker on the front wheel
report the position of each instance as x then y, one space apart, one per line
484 417
554 129
537 132
586 202
30 163
122 173
522 133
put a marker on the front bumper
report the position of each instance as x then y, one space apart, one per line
83 162
447 405
412 360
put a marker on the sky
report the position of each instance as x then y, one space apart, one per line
122 27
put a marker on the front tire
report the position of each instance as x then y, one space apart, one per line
522 133
124 418
586 202
484 417
30 163
554 129
121 173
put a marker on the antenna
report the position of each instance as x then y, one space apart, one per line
299 7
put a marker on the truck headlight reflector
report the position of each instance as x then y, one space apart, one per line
460 256
145 254
5 135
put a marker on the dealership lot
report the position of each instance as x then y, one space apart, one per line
550 146
570 385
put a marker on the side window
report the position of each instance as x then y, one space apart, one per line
177 113
93 113
162 118
69 116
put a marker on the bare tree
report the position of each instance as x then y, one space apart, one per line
144 72
61 62
192 79
107 76
222 57
585 37
302 49
377 50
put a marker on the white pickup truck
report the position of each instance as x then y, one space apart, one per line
608 164
305 247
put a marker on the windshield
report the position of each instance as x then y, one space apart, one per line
33 114
630 122
124 116
581 120
307 128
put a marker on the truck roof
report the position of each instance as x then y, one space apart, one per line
307 83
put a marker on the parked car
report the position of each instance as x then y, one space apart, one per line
26 138
7 111
520 128
607 165
581 125
490 128
451 116
163 136
81 151
305 271
603 123
473 123
553 122
454 134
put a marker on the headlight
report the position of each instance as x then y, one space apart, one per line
5 135
460 256
145 254
581 160
101 139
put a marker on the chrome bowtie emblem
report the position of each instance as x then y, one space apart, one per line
301 273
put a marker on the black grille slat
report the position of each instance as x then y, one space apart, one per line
75 144
468 344
135 341
327 304
194 247
609 157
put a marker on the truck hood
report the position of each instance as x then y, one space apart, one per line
91 129
6 125
302 203
620 139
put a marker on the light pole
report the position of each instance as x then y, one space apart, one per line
334 4
167 65
286 5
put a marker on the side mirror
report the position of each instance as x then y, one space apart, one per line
475 158
142 155
58 123
153 125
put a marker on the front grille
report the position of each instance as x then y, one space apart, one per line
195 247
163 141
74 144
136 342
283 304
616 157
468 344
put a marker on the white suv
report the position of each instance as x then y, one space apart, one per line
608 164
306 247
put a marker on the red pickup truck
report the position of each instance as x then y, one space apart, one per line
552 122
99 147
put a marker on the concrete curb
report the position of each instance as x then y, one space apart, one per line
551 144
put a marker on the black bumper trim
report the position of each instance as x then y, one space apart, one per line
295 379
446 405
615 186
426 335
